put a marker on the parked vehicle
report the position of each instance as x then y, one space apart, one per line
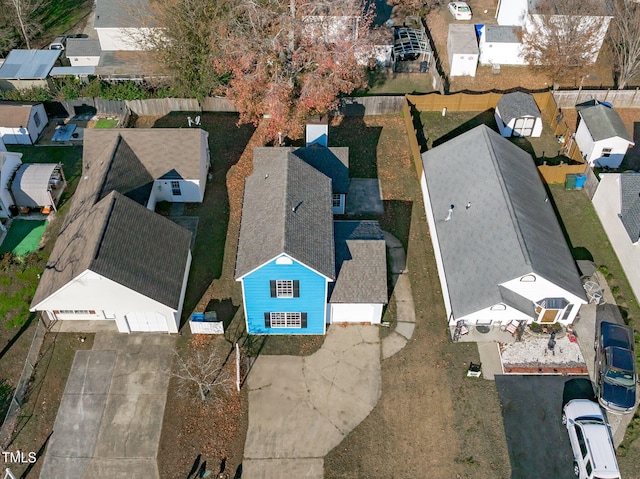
58 43
591 440
460 11
615 368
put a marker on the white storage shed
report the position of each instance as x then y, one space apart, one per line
462 47
517 114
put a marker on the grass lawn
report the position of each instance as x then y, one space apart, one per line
106 123
23 237
381 83
427 401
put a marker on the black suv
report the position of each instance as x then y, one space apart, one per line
615 363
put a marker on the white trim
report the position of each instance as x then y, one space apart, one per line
278 256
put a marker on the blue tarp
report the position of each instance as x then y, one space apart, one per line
64 132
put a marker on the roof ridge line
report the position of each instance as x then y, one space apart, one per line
508 202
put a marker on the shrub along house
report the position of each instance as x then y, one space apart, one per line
115 258
286 257
501 255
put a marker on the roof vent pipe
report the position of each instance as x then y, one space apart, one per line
449 213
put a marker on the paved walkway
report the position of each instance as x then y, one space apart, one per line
300 408
110 417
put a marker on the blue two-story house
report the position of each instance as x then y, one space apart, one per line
286 252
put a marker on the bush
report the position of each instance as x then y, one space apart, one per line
535 327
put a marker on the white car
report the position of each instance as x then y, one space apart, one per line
591 441
460 11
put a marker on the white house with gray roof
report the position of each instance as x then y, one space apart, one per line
601 135
115 259
517 114
123 25
500 251
500 45
617 203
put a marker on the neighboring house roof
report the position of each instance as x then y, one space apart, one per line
630 204
510 228
30 186
287 208
118 239
517 105
83 47
332 162
602 9
68 71
123 14
604 122
28 64
15 114
502 34
361 263
154 148
129 63
113 235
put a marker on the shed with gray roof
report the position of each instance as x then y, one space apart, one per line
601 135
494 230
517 114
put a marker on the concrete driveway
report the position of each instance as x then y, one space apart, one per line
532 414
110 417
302 407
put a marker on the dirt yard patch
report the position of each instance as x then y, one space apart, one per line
510 76
430 417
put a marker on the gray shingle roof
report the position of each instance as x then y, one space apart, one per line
155 148
508 231
604 122
28 64
287 208
130 254
502 34
630 204
83 47
94 230
361 263
123 14
517 105
332 161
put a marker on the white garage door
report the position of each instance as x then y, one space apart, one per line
146 321
352 313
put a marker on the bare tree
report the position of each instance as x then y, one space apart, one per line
281 59
202 374
563 37
24 14
625 40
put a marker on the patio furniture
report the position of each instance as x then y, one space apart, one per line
512 327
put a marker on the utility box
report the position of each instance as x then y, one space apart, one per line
462 48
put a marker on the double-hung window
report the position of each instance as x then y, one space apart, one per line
285 320
285 288
175 188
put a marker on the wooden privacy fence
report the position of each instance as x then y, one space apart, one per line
618 98
414 104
